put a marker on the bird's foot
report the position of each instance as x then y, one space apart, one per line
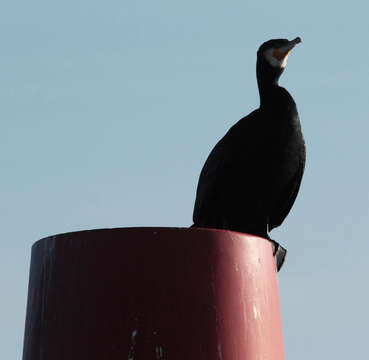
279 252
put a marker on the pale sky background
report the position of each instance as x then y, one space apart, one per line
109 110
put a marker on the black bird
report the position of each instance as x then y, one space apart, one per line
252 176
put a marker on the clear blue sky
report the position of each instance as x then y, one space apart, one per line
109 109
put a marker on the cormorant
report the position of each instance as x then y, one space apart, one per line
252 176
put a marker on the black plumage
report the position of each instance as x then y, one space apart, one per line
252 176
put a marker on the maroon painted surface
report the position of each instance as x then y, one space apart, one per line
153 293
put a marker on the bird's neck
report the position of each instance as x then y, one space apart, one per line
268 92
278 101
267 77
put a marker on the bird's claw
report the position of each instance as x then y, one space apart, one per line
280 254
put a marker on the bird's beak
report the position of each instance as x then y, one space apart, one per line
282 52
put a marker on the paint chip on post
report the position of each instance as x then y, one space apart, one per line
159 352
255 312
220 352
131 355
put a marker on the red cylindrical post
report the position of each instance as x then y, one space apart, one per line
153 293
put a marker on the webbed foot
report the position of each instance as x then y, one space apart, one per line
279 252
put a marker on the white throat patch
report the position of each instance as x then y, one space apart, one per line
273 61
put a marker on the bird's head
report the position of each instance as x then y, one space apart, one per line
272 58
